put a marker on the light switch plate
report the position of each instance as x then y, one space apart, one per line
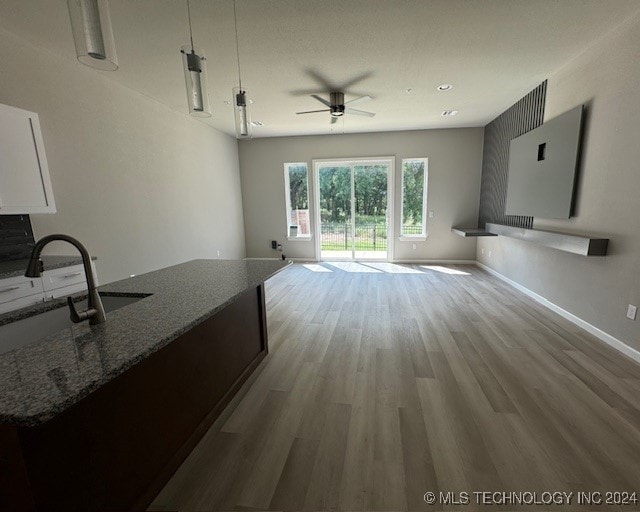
631 312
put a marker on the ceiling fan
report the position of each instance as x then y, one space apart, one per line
338 107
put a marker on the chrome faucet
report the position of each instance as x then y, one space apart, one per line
95 311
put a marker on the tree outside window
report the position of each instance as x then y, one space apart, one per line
414 197
296 177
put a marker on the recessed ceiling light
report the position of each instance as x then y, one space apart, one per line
447 113
257 123
445 87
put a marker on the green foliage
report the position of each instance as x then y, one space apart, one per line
370 192
335 194
413 193
298 187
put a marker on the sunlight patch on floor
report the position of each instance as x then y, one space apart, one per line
392 268
316 268
352 266
445 270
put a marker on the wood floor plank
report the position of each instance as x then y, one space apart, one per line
324 488
412 344
417 461
296 475
357 478
265 473
492 389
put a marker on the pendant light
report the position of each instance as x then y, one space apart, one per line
195 76
92 34
240 101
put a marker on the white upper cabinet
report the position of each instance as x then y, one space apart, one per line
25 185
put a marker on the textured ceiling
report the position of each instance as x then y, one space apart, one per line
492 51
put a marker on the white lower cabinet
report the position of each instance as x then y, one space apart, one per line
64 281
19 292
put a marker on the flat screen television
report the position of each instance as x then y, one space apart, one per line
543 166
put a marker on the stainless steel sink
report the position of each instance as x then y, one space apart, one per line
31 329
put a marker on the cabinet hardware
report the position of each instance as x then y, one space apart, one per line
10 289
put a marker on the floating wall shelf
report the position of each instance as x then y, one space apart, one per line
469 232
577 244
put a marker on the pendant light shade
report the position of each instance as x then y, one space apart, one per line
195 78
92 33
240 100
242 115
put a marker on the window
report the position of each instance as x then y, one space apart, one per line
414 197
296 184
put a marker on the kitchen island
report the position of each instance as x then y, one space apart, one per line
99 417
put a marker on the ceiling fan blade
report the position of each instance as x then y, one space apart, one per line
325 83
313 111
334 120
358 100
358 112
355 80
321 100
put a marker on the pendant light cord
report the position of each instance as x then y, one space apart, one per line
190 31
235 23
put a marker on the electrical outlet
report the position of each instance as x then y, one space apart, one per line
413 247
218 254
432 214
489 254
482 251
631 312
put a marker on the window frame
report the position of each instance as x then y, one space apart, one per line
425 232
287 198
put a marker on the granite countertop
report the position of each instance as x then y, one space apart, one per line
18 267
40 380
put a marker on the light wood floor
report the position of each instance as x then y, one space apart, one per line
384 384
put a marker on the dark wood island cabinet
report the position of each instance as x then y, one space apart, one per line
121 440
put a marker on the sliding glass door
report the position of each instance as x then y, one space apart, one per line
352 204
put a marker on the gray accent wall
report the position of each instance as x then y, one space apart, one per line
605 78
454 155
523 116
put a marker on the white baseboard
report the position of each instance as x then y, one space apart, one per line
592 329
415 262
446 262
261 259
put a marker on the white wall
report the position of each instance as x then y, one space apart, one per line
455 160
142 186
606 78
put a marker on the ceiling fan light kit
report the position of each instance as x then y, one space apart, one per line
338 107
92 33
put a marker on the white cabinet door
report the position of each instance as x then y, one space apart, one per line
25 185
63 277
13 288
19 292
22 302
